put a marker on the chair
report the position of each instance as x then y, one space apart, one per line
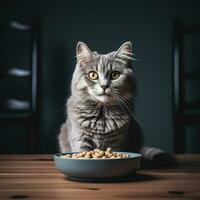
16 111
185 112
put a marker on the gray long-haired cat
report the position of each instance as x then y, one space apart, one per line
100 110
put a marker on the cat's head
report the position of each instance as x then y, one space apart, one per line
104 77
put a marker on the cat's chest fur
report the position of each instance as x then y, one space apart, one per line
101 119
102 127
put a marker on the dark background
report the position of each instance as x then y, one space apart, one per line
104 25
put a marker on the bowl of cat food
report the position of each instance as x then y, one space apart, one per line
97 164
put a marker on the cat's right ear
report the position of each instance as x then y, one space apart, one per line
83 53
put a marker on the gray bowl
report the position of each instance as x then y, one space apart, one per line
91 168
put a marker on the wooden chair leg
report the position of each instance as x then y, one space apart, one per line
32 140
179 138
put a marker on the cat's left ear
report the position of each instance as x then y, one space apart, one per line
124 53
83 53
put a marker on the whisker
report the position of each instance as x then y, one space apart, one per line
129 102
133 115
120 104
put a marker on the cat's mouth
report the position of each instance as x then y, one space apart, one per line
104 98
104 94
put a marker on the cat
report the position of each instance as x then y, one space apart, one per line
100 110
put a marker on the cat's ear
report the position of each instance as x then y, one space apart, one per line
124 53
83 53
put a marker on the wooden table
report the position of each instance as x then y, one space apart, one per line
35 177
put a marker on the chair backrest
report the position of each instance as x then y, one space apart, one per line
183 74
22 109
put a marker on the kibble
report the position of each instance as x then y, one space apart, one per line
97 154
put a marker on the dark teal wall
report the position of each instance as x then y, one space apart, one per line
104 25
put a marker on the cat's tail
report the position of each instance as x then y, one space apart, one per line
158 157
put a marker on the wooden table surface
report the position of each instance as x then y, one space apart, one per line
35 177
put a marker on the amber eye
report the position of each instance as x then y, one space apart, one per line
93 75
114 75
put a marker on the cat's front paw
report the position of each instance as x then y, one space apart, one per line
86 148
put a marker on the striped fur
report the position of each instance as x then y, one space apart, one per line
97 117
95 120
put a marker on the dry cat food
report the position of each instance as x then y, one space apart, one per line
97 153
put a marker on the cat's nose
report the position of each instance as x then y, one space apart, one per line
104 87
